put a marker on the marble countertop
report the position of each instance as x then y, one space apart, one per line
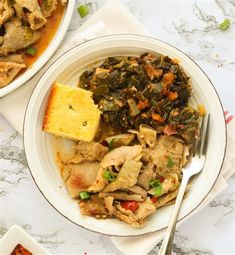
191 26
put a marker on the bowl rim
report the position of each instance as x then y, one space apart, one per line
225 130
7 240
47 53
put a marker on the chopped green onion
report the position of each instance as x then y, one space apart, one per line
111 144
109 176
31 51
83 10
158 190
224 25
154 183
170 162
84 195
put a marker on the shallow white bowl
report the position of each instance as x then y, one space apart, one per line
66 69
16 235
43 59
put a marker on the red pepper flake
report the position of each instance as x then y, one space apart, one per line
161 178
154 199
40 2
130 205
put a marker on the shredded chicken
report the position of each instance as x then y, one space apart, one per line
94 207
80 176
115 158
168 148
33 15
10 66
119 155
137 190
135 219
17 37
127 177
134 168
6 11
49 7
145 177
88 151
118 195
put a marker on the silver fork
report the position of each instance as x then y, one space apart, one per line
194 167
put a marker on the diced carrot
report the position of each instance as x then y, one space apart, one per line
172 95
168 78
154 199
157 117
143 104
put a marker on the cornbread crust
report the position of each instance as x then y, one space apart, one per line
48 107
71 113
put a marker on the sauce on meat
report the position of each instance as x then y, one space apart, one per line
48 32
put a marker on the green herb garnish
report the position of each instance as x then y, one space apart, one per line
158 190
84 123
225 25
83 10
109 175
31 51
170 162
111 144
84 195
154 183
71 107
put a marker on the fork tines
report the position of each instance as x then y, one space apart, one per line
200 145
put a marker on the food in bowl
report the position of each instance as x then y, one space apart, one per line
133 165
26 29
20 250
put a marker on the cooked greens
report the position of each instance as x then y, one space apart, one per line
149 89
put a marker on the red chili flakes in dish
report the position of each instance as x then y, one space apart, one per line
20 250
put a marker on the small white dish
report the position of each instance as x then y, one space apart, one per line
16 235
66 69
43 59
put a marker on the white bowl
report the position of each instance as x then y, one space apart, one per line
66 69
16 235
43 59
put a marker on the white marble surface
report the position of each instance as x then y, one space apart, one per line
192 26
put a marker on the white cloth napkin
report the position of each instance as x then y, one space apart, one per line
103 22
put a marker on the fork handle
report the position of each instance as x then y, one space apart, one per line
166 248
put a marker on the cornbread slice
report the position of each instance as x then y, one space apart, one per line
71 113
